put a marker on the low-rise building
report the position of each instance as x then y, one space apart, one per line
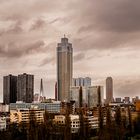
59 119
137 103
26 115
91 121
53 107
4 108
75 124
2 123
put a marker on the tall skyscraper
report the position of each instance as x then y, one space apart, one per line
64 69
9 89
25 88
109 90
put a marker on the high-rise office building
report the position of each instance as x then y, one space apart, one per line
87 81
25 88
74 95
81 81
109 90
9 89
64 69
92 96
95 96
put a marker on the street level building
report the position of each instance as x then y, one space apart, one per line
26 115
2 123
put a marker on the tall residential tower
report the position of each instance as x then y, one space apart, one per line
9 89
25 88
64 69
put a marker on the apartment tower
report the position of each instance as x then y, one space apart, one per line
9 89
25 88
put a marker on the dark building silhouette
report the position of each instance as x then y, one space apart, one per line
9 89
64 69
41 88
25 88
109 90
56 96
80 97
41 97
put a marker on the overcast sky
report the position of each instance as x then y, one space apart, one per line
105 35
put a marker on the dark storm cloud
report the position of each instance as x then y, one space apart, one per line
118 16
107 24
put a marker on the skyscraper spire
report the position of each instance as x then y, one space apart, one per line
41 96
41 88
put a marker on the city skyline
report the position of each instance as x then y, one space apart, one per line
102 46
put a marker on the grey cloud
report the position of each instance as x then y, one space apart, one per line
47 61
61 20
38 24
118 16
22 10
15 28
55 20
79 57
13 50
107 40
127 87
107 24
